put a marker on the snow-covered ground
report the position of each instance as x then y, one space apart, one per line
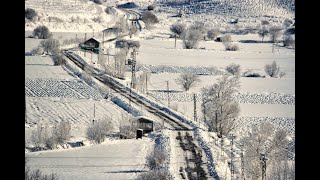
112 159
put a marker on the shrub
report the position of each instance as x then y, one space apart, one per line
263 32
287 23
156 174
213 33
155 160
288 41
97 1
41 32
249 73
58 59
231 46
150 7
62 132
37 51
226 38
272 69
178 28
97 19
128 130
37 175
149 19
191 38
97 131
233 69
282 74
30 14
50 45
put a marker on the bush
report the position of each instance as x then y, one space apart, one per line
97 19
150 7
41 32
128 130
62 132
156 174
50 46
233 69
58 59
226 38
191 38
156 159
97 1
275 33
30 14
249 73
213 33
37 175
149 19
288 41
37 51
263 32
272 69
98 130
231 46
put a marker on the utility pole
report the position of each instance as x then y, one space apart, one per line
168 93
146 83
133 68
242 165
108 55
94 112
85 39
272 47
102 40
263 163
231 155
195 109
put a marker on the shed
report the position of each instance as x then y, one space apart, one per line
145 123
91 44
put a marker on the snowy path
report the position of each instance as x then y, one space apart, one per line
116 159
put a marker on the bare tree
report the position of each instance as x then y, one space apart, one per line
62 132
154 174
97 131
120 59
142 80
233 69
263 32
191 38
122 25
288 41
149 19
177 29
38 136
187 80
275 32
272 69
30 14
220 106
128 127
201 27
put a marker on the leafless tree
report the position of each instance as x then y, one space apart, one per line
187 80
275 32
128 127
38 136
263 32
288 41
199 26
220 106
120 59
142 80
62 132
37 51
177 29
30 14
154 174
122 25
97 131
272 69
191 38
233 69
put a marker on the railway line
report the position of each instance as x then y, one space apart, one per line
186 148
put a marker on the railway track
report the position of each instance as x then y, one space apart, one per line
193 167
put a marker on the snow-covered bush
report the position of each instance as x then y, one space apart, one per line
149 19
62 132
37 51
155 160
263 32
213 33
41 32
58 59
191 38
272 69
156 174
98 130
231 46
50 45
30 14
288 41
38 175
233 69
226 38
128 130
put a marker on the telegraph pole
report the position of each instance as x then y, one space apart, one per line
168 93
231 155
263 162
242 165
94 112
108 55
85 39
133 68
195 109
146 83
